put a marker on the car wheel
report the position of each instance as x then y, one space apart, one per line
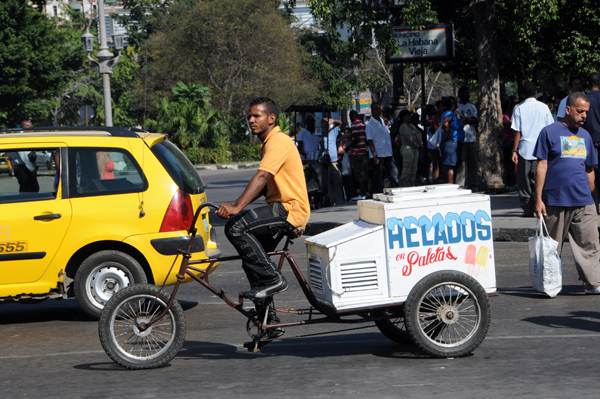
101 275
48 165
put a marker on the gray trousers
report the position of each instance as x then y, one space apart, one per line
526 171
581 225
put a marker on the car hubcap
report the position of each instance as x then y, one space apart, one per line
103 282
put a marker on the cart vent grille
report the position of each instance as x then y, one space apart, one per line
360 276
315 274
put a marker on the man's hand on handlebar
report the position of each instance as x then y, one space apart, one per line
225 211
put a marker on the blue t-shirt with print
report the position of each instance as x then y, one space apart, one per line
569 152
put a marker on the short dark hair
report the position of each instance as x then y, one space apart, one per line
403 113
462 89
269 105
529 89
353 114
594 79
375 103
449 102
574 78
575 96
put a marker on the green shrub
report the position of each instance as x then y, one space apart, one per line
208 156
245 152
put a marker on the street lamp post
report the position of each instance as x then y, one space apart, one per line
106 59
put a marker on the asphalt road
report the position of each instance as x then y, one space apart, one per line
536 348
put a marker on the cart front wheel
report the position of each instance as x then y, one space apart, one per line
394 327
448 314
130 346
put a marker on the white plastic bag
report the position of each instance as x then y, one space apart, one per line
544 262
436 139
346 168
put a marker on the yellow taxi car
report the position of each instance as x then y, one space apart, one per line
5 166
113 213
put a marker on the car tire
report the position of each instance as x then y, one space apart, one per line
101 275
48 165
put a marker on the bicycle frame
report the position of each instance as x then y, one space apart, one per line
187 268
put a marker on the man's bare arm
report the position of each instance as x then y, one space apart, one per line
515 157
540 180
592 182
251 193
372 147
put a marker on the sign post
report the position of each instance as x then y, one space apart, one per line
432 43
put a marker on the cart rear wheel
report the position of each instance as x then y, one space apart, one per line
393 328
126 343
448 314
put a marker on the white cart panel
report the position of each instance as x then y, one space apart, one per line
401 236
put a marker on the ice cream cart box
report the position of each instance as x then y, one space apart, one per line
400 237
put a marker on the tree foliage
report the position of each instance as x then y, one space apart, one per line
239 49
37 60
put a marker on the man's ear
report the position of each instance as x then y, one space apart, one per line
272 119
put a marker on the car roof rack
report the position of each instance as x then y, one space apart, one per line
116 131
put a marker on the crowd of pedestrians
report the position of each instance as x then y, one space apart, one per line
376 151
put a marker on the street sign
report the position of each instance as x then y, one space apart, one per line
86 112
432 43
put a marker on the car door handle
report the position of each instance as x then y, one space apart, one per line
52 216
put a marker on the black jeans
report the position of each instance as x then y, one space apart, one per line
27 179
254 233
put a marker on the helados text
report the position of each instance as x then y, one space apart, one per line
411 232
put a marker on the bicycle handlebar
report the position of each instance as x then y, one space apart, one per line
202 206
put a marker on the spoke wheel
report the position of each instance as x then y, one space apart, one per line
126 343
394 327
448 314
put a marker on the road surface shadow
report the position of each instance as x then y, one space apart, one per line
580 320
529 292
309 347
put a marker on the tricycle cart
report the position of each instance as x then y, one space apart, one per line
418 262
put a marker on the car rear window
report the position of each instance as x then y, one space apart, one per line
179 167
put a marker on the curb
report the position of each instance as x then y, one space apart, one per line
252 165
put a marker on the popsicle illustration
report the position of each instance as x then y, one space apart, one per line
481 260
470 259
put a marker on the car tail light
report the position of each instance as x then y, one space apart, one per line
179 214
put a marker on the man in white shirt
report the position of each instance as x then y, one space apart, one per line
380 150
307 141
334 186
529 118
467 172
575 84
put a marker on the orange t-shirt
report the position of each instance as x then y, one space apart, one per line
280 157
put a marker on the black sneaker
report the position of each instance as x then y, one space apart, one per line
265 292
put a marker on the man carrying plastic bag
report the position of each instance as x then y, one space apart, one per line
565 189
